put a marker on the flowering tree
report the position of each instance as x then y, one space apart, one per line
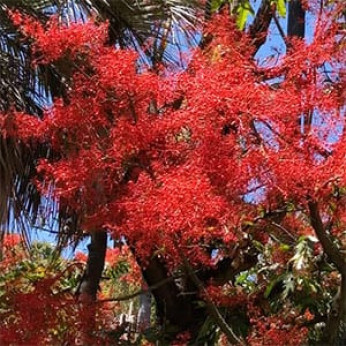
39 283
226 181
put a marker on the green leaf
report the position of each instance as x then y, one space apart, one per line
243 11
207 329
216 4
242 278
290 207
259 246
289 286
200 303
284 247
281 8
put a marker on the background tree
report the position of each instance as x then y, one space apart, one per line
39 283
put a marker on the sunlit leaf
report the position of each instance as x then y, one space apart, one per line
281 8
243 11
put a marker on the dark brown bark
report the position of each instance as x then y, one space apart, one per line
259 28
172 306
211 307
227 269
296 19
325 239
95 264
87 291
176 299
337 316
331 335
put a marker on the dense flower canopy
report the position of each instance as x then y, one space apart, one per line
188 169
203 158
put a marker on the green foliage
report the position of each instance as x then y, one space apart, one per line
244 10
241 9
281 7
216 4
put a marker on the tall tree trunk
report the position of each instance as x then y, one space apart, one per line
95 264
90 285
296 19
172 307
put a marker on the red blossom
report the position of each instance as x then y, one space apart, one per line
11 240
152 177
132 162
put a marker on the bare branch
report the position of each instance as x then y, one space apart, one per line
139 292
259 28
281 31
285 230
212 308
328 246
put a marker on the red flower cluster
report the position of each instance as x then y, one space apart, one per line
227 296
132 162
274 331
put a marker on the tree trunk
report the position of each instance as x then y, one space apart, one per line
334 333
95 264
296 19
176 306
89 286
337 315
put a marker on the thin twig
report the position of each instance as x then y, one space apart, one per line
281 31
141 291
284 230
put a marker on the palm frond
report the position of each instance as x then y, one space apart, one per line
132 22
18 90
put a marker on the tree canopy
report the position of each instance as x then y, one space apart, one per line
225 181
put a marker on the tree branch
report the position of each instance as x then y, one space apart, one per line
296 19
328 246
227 269
285 230
281 31
139 292
213 310
259 28
331 330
